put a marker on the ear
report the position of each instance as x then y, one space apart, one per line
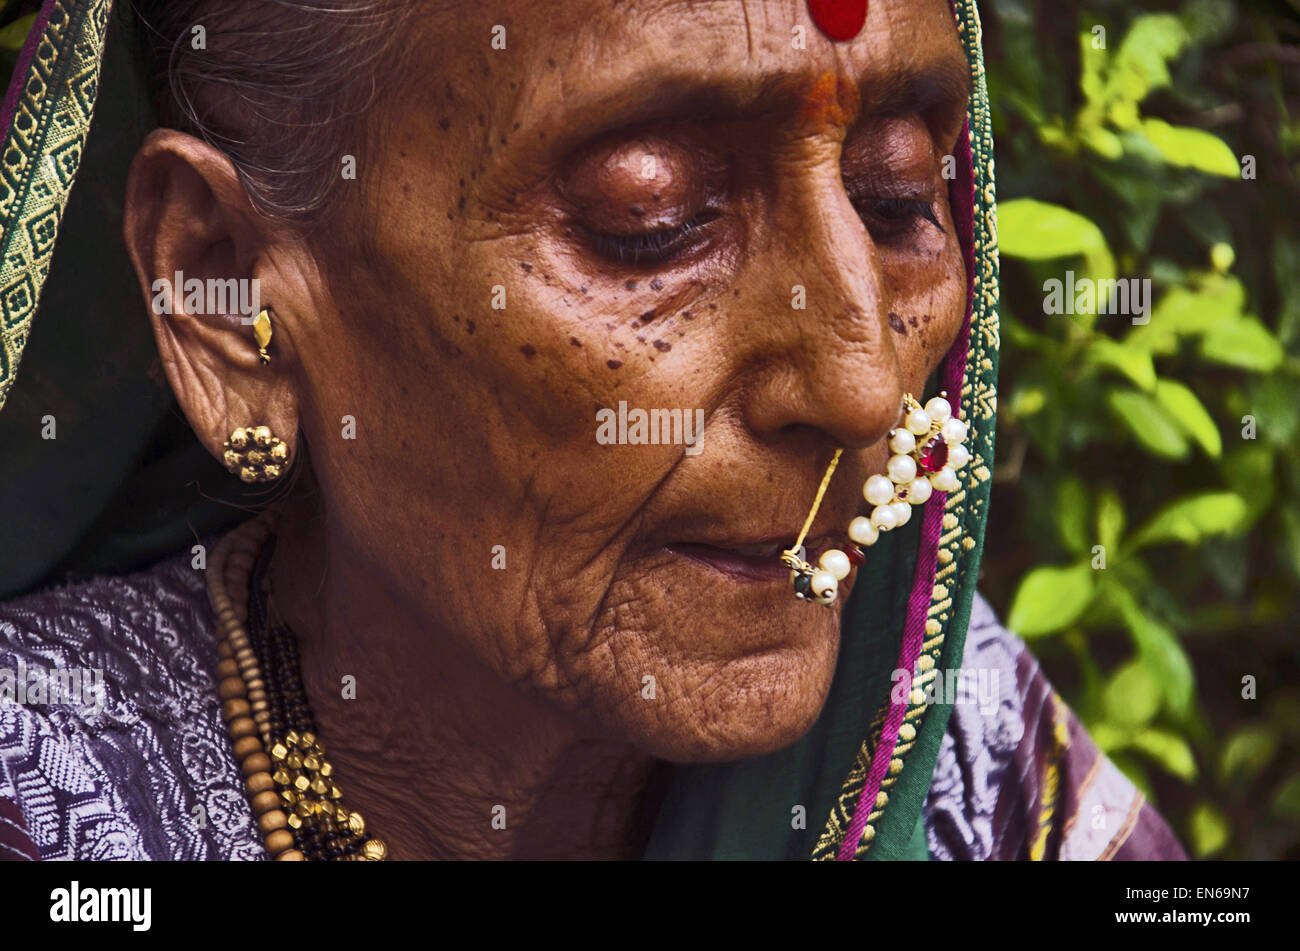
189 219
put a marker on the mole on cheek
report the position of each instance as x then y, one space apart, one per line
897 324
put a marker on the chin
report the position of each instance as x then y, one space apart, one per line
740 667
747 706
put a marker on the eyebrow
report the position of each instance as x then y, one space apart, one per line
941 84
687 96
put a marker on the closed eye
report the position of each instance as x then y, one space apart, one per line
652 247
890 218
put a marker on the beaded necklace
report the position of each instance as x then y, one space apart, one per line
289 782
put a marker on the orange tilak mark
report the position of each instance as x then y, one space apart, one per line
831 101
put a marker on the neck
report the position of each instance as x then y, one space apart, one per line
441 757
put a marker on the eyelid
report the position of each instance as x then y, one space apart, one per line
894 226
649 247
894 192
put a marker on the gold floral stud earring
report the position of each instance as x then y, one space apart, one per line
255 454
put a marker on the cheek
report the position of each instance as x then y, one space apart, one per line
928 306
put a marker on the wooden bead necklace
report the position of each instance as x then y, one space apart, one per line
289 782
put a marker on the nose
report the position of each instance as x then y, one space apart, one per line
831 365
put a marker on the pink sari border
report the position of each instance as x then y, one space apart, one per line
24 64
952 374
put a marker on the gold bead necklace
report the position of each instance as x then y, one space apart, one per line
289 782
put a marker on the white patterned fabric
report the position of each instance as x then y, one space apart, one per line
1021 779
149 775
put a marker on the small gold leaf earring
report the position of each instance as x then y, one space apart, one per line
255 454
262 334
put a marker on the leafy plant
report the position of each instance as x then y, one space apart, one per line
1146 533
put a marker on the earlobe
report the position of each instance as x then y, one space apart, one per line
198 247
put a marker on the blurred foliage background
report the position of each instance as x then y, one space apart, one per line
1145 536
1146 520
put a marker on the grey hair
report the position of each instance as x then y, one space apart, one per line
274 84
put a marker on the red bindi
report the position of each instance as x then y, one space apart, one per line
838 19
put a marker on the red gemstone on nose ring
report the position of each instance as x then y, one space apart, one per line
934 454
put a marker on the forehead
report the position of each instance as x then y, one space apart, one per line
564 61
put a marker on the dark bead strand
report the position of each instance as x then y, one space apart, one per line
323 829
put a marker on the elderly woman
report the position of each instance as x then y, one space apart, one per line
622 379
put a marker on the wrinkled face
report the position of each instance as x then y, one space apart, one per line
704 207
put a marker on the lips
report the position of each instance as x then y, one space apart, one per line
744 560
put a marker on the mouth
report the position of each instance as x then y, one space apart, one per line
745 561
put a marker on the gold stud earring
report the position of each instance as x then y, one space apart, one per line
255 454
262 334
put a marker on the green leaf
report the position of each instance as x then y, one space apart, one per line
1149 423
1246 753
1037 231
1072 515
1222 257
1108 736
1026 401
1271 400
1184 311
1162 655
1049 599
1186 409
1252 466
1191 519
1110 520
1133 362
1290 540
1209 830
1287 801
1092 65
13 36
1186 147
1169 750
1104 142
1208 19
1286 272
1132 697
1140 64
1244 343
1123 112
1219 298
